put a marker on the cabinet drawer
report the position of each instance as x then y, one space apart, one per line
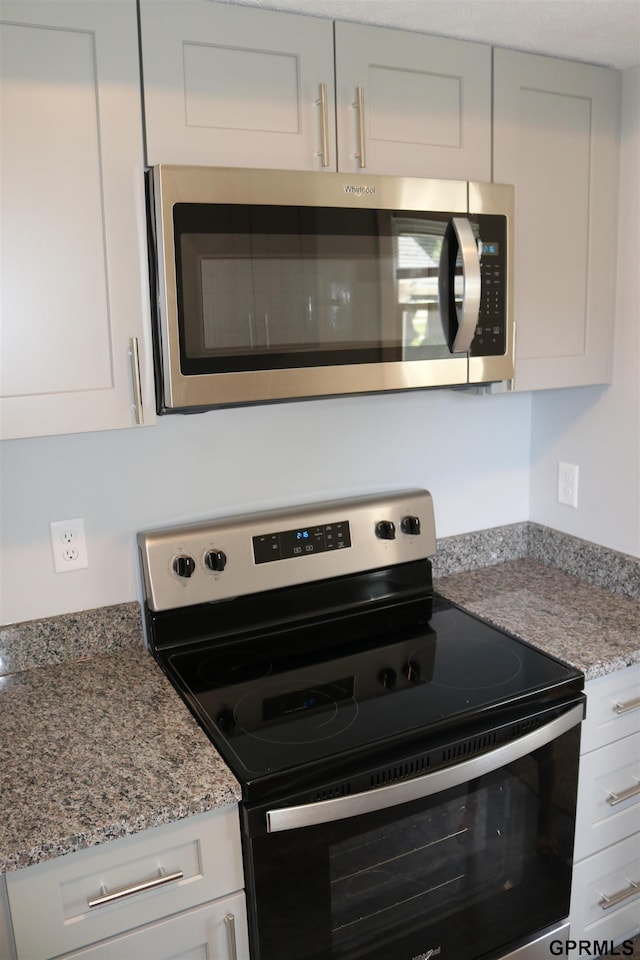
200 933
205 849
613 708
608 804
609 874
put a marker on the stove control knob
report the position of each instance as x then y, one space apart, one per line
184 566
387 678
385 530
215 560
410 525
412 671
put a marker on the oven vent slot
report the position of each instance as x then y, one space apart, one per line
525 726
468 747
400 771
330 793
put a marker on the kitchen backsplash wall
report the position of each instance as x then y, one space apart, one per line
471 452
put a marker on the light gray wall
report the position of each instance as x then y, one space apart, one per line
472 452
598 428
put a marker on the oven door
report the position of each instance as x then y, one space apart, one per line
471 860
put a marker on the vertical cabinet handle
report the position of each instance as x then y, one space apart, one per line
230 923
324 125
135 377
359 105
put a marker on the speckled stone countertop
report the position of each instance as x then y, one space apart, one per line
95 744
96 749
566 616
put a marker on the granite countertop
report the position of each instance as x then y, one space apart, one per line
97 745
96 749
566 616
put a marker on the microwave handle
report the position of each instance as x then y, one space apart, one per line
460 330
405 791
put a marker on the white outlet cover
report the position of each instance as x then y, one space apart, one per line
69 545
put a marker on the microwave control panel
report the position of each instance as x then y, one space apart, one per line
490 338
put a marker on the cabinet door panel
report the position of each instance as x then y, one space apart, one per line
195 847
74 287
613 708
555 133
609 873
604 815
201 934
427 103
227 86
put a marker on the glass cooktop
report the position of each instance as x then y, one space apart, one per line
285 698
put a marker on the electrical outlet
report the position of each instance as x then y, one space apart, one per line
568 484
69 545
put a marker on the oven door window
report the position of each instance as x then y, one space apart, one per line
463 873
264 287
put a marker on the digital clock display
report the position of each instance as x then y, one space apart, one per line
301 542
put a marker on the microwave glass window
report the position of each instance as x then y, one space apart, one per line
264 287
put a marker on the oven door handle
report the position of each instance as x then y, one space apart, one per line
340 808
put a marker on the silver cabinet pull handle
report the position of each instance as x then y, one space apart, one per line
135 376
626 707
614 798
159 881
616 898
324 125
472 284
359 105
230 922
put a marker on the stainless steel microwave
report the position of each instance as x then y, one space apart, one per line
282 285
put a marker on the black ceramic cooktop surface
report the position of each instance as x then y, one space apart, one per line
284 698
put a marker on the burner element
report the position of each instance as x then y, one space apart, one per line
280 713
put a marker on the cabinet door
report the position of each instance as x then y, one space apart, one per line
420 106
74 289
605 894
229 86
149 875
608 796
555 139
196 935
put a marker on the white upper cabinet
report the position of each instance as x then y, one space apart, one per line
232 86
412 105
74 290
556 140
235 86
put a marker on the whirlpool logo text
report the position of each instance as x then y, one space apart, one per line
358 190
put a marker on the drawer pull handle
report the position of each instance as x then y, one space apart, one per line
626 707
230 922
614 798
632 890
159 881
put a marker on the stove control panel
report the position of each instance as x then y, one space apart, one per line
236 556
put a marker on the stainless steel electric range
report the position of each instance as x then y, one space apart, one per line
408 771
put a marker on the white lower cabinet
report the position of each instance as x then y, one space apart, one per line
216 931
177 893
605 897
